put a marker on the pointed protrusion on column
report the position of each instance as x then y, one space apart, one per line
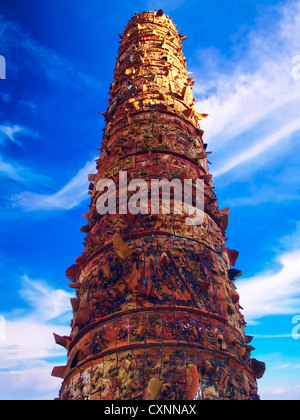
82 316
207 178
249 339
74 304
224 222
201 116
233 256
77 285
85 229
241 351
259 368
231 338
72 273
92 177
59 372
207 366
250 349
233 274
203 285
160 13
107 270
224 211
121 248
184 175
231 308
62 341
163 260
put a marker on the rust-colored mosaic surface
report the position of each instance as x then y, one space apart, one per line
156 311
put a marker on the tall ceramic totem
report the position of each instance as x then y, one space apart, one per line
156 312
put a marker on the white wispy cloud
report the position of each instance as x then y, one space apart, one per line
259 148
281 381
11 171
9 168
277 291
16 42
45 302
68 197
25 369
273 293
12 131
20 173
254 103
31 383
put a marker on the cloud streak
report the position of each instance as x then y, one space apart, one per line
45 302
260 147
68 197
8 167
16 42
272 293
24 354
12 131
254 106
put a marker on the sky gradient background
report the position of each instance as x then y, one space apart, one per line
60 59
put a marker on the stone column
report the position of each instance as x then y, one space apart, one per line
156 312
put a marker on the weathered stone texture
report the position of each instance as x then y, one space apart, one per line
156 312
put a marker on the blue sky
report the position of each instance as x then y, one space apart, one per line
60 57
